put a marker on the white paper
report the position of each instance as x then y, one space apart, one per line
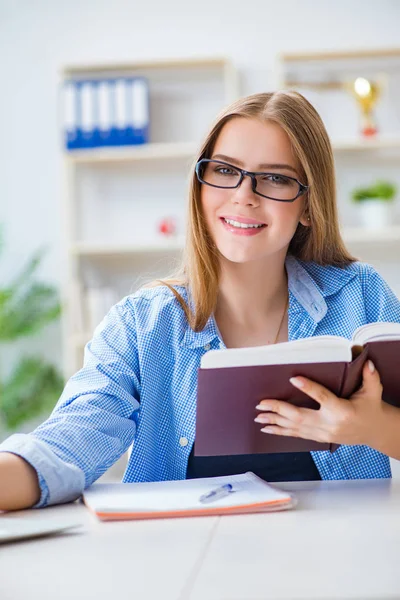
180 495
328 348
377 332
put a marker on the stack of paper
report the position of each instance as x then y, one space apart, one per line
113 501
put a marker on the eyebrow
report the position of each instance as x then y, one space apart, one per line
261 166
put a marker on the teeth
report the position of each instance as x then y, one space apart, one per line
241 225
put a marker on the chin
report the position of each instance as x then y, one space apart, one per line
246 255
240 256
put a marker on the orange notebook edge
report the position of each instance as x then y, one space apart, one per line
272 505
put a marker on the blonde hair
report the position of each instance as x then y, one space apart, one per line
321 242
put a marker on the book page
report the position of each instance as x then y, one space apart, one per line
326 348
376 332
161 496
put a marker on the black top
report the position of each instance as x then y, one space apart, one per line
285 466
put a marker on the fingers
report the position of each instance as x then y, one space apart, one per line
317 435
316 391
273 419
371 383
280 407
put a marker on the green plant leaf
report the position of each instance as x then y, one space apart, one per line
20 283
29 312
32 390
382 190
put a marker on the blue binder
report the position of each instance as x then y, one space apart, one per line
110 112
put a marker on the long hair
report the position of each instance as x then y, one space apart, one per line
321 242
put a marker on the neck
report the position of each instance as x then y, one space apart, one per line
249 293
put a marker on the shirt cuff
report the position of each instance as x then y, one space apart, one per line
58 481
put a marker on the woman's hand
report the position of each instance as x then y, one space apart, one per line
351 422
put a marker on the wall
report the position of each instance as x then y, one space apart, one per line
38 38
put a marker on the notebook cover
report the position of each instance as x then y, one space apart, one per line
226 401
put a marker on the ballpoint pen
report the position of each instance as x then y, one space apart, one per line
219 492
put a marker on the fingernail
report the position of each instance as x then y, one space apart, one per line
371 366
296 382
261 419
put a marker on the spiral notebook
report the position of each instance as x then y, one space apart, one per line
160 499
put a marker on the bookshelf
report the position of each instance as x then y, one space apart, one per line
115 197
322 77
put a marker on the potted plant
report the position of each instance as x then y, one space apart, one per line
375 203
32 386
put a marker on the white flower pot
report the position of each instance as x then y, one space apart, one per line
375 213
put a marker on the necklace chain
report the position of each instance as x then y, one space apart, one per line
283 316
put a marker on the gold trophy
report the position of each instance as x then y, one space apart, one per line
366 93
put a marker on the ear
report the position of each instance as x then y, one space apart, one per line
305 219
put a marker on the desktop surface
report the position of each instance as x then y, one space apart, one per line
341 541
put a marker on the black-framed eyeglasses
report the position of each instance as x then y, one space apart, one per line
274 186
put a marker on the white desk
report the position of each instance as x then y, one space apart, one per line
342 541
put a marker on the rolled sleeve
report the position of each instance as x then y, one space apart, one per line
65 480
381 302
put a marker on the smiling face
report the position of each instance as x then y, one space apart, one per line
257 146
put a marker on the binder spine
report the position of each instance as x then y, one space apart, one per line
138 128
70 113
87 101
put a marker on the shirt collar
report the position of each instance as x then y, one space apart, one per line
309 283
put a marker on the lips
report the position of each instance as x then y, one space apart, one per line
242 230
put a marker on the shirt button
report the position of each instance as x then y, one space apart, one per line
183 441
207 346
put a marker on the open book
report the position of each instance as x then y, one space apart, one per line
231 382
160 499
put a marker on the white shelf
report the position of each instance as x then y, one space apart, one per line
91 249
151 151
148 65
165 151
387 235
378 143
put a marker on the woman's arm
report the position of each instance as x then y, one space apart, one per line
19 484
92 425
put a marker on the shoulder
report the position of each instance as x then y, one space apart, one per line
154 308
356 285
331 279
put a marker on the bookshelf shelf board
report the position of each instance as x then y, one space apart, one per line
151 151
378 143
387 235
90 249
362 53
151 65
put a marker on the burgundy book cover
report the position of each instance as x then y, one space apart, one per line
226 406
386 358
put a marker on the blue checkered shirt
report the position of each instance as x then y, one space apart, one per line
139 380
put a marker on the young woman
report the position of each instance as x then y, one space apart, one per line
264 262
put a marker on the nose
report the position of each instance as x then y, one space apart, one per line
244 193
